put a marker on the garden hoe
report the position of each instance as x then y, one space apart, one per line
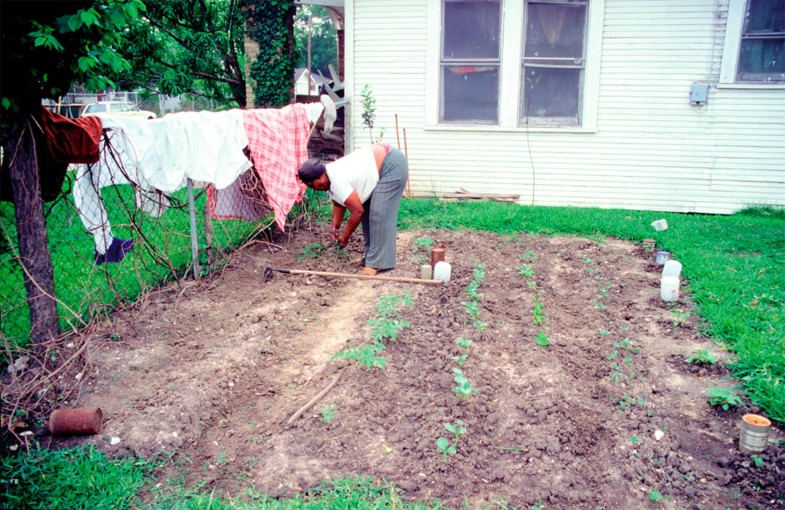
268 274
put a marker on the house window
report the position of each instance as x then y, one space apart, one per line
470 61
762 47
513 64
754 50
553 61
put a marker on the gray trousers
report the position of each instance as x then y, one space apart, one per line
380 219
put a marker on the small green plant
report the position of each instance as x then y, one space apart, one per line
725 398
365 355
529 255
479 273
542 340
457 430
368 103
680 317
446 448
757 460
472 309
423 242
312 251
538 317
525 270
387 328
472 290
480 325
538 505
702 357
388 305
460 359
655 496
627 344
635 440
327 413
463 343
390 321
464 388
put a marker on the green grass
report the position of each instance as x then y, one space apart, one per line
84 478
735 267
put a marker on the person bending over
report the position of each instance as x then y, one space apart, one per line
369 182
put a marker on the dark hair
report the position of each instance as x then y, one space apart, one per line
311 170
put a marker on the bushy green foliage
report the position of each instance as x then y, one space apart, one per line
269 23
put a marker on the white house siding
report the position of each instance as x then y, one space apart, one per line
651 150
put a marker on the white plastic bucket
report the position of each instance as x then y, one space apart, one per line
659 225
669 288
671 268
442 271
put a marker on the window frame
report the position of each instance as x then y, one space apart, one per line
549 63
512 28
446 62
731 51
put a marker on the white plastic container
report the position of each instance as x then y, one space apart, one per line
660 225
442 271
669 288
671 268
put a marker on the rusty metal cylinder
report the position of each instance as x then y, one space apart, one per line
79 421
437 255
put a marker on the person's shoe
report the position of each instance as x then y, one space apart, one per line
369 271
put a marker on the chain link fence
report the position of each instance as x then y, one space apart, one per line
114 234
112 241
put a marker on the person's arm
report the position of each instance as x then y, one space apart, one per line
339 212
355 216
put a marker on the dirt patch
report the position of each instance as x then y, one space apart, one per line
608 415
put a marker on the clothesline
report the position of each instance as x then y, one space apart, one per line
220 150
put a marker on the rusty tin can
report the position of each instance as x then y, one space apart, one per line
79 421
437 255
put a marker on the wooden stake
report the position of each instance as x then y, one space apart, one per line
406 153
397 136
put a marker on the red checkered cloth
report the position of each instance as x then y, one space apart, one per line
278 139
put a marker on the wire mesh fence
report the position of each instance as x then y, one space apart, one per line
166 199
109 244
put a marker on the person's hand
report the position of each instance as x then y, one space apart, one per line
342 241
334 233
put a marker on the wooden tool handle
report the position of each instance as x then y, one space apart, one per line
365 276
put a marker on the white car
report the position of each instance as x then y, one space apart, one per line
120 108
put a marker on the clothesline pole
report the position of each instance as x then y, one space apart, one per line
192 215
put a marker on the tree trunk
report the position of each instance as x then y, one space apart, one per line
34 256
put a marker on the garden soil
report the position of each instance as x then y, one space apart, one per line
221 372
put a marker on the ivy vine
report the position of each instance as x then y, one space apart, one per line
270 24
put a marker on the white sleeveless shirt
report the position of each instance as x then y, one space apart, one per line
354 172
